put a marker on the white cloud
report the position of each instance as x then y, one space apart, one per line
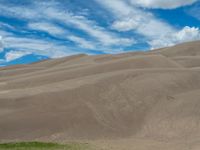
126 25
47 27
1 44
163 4
53 12
6 26
105 37
82 42
38 46
12 55
127 15
20 11
62 33
4 33
55 20
130 18
187 34
156 32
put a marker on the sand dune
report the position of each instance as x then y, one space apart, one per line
188 61
144 100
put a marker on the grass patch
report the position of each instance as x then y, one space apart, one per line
42 146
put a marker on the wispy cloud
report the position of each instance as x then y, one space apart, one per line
62 33
39 46
54 29
106 38
12 55
163 4
132 18
194 11
158 33
1 44
56 14
48 27
82 42
50 17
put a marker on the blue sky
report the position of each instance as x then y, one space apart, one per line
40 29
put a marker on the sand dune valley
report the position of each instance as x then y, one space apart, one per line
130 101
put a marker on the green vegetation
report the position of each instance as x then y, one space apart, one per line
43 146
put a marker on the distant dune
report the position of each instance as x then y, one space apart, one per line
138 100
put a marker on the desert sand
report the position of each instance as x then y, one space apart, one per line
131 101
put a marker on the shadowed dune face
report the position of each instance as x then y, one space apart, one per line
151 95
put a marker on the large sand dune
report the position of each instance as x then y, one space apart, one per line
140 101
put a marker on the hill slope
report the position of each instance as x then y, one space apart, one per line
152 95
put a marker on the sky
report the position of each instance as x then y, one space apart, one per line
33 30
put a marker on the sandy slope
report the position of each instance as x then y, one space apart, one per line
144 100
